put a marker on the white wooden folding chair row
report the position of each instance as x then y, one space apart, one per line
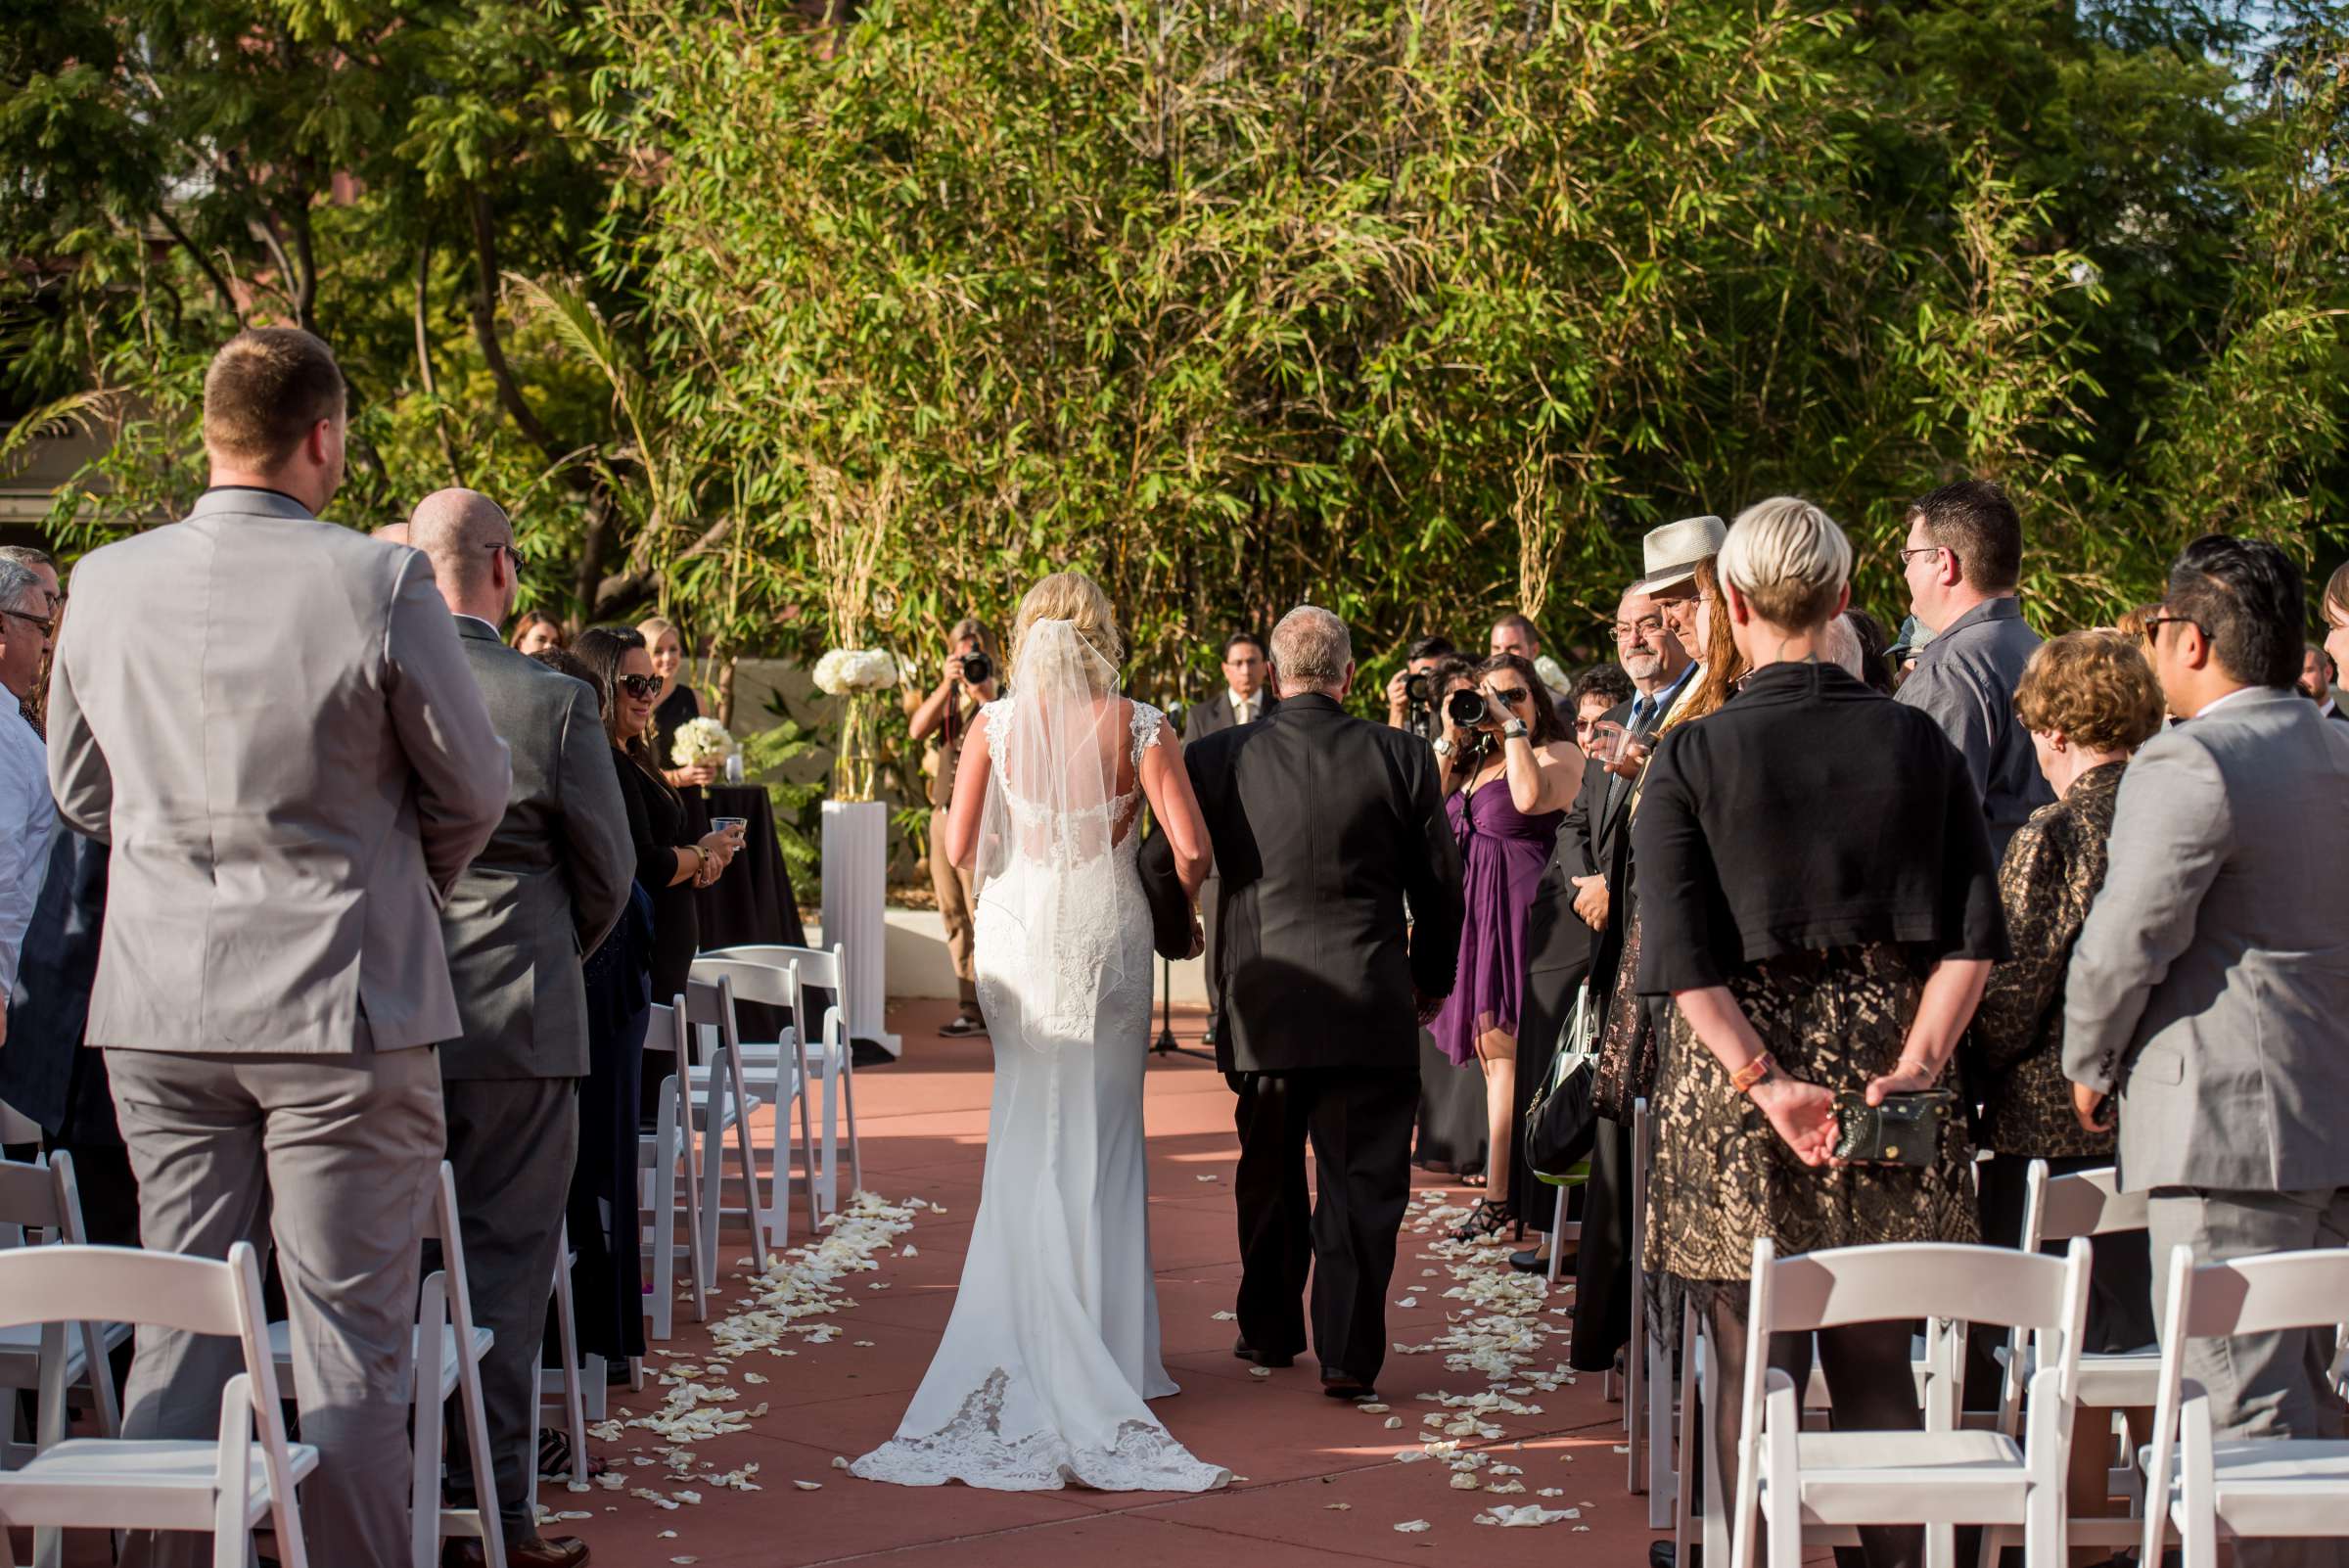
448 1349
667 1159
39 1205
723 1104
229 1485
564 1382
1817 1488
2200 1487
822 1055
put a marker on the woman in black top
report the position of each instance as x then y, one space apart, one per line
1820 902
673 704
670 867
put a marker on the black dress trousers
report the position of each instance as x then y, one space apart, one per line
1359 1125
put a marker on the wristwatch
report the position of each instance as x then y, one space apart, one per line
1442 746
1752 1072
1513 729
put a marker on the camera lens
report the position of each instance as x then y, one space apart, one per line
1465 708
978 668
1415 689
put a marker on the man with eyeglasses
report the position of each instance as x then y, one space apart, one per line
547 888
1963 560
2209 982
27 813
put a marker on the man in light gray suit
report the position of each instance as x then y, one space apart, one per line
550 884
268 718
2211 981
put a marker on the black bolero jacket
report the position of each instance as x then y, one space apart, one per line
1810 812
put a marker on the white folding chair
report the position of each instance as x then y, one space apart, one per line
40 1203
824 1053
564 1382
723 1104
2206 1488
229 1485
1817 1488
2055 1209
1647 1361
665 1157
448 1349
769 1071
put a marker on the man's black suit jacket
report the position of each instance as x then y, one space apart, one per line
1204 718
1556 936
1323 826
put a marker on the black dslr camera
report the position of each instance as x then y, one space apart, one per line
978 668
1418 690
1906 1130
1466 707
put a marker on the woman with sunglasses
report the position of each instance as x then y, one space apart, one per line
1510 778
670 867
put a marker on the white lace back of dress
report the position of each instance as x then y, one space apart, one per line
1063 792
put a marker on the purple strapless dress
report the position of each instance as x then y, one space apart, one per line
1502 853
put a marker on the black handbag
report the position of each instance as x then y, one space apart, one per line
1561 1125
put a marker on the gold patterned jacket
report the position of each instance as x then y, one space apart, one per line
2053 866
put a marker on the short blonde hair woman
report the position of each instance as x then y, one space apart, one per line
672 705
1817 899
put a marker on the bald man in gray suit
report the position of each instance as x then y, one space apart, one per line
268 718
548 886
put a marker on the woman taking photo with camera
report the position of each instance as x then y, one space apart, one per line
1821 906
1511 773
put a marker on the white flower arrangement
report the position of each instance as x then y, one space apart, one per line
699 741
1552 674
850 671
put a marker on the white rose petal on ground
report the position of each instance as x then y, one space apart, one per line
1414 1527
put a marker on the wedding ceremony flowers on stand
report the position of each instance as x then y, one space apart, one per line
856 880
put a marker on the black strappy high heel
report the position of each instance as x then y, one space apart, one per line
1485 1219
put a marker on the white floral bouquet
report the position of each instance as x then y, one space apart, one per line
850 671
1553 674
699 741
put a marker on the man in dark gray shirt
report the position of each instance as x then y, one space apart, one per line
1964 555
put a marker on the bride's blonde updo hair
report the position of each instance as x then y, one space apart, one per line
1073 597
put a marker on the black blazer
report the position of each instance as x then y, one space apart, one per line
1323 826
1204 718
1556 936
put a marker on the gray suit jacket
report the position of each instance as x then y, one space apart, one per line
268 718
549 885
2211 981
1965 680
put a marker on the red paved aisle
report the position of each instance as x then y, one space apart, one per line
1321 1487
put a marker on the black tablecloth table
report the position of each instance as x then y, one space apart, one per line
752 903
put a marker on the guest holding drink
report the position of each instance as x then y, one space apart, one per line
670 867
1510 777
672 705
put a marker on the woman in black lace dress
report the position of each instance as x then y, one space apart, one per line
1807 950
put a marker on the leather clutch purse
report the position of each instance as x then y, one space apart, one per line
1906 1130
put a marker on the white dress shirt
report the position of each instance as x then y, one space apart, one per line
27 825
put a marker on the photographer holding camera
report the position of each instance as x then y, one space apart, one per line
944 717
1412 692
1818 899
1511 773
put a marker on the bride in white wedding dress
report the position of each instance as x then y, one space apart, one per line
1053 1344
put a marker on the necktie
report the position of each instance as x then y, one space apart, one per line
1640 708
1242 711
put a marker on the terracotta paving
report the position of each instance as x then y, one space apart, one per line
1321 1485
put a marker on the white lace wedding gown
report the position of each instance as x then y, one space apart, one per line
1053 1344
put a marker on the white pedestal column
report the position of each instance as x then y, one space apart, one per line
856 893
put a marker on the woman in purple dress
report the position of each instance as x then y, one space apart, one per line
1509 778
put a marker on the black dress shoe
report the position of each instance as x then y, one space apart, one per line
1660 1556
1529 1262
1342 1387
1249 1353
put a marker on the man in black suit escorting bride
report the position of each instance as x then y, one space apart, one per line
1340 925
